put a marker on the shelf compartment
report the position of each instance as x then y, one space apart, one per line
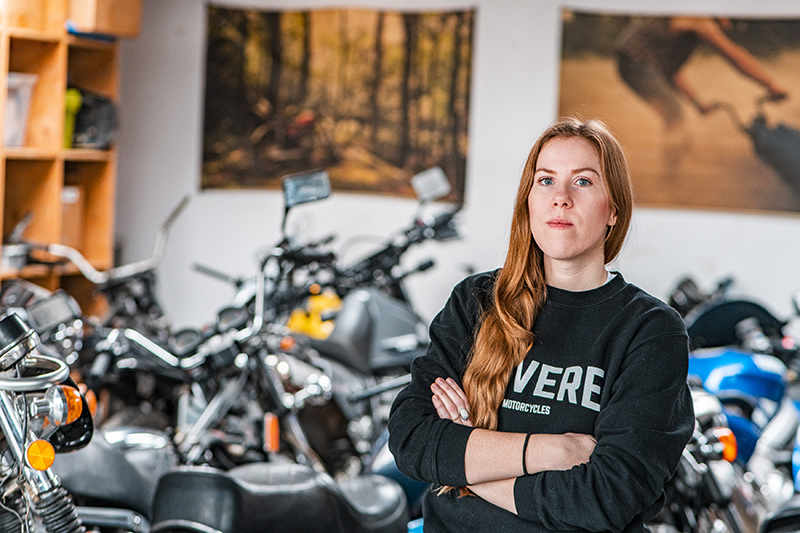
33 187
93 66
95 181
47 61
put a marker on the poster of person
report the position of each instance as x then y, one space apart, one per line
708 108
372 96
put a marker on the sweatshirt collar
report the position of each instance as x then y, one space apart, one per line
586 298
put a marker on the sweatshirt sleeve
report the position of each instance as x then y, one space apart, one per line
424 446
640 432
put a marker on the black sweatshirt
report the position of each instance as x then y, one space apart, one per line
610 362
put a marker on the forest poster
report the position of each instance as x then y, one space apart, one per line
707 108
372 96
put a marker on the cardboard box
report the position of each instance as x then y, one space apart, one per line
111 17
72 214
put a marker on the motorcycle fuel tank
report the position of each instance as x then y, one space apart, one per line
730 370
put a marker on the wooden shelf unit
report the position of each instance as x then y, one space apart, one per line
33 177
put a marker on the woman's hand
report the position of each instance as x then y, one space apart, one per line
573 449
450 401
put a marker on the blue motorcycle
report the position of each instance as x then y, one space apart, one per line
740 354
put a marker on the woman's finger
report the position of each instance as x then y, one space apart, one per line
453 398
441 410
448 407
457 390
459 398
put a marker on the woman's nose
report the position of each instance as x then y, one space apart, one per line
561 197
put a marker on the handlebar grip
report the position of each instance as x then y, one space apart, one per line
99 368
444 218
325 240
305 257
425 265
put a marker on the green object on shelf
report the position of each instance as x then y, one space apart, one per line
73 104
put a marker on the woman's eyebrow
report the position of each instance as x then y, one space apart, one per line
576 171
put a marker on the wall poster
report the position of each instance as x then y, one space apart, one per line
372 96
708 108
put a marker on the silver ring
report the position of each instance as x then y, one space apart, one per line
464 414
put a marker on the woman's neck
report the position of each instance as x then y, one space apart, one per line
575 278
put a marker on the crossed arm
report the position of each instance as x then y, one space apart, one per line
489 462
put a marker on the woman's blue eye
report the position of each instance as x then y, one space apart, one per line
583 182
546 180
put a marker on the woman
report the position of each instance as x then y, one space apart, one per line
554 391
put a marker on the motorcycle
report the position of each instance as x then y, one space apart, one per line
374 336
256 381
43 414
291 484
709 490
741 354
210 387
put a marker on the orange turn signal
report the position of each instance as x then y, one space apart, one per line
287 343
272 433
730 449
91 401
74 403
64 404
40 455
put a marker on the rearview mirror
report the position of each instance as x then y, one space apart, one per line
305 187
430 184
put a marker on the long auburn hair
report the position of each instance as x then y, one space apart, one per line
505 333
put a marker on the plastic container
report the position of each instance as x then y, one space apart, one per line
72 105
18 103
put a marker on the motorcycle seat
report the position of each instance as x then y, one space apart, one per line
372 334
714 323
100 474
351 339
260 497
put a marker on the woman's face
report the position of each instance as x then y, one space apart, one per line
568 204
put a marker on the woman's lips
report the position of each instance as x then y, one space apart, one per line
559 223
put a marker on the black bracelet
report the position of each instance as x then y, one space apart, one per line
524 453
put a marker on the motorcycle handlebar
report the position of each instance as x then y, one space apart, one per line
124 271
440 228
236 281
301 257
77 259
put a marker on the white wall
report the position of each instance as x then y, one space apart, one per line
514 97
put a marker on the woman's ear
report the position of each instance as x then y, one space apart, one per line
612 219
